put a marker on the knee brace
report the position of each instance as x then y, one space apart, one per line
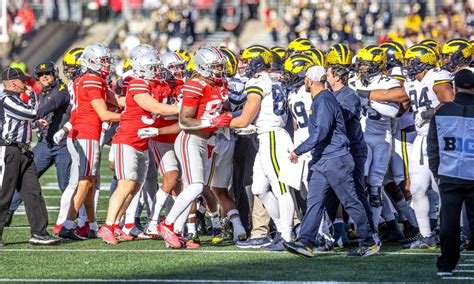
375 196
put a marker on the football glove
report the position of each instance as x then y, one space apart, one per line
58 136
148 132
222 120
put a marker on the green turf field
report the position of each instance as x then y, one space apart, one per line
149 260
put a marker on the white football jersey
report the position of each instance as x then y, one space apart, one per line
273 113
300 102
373 122
422 95
406 120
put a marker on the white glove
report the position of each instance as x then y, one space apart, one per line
246 131
419 121
148 132
58 136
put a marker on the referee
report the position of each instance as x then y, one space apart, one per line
17 169
450 147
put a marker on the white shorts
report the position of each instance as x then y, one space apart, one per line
88 155
164 155
220 165
378 157
273 152
74 174
130 163
192 154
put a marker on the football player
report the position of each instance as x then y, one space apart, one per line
267 104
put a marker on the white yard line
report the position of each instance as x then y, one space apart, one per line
458 278
463 271
152 280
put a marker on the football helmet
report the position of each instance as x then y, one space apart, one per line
174 64
72 62
299 45
317 56
295 69
419 58
370 61
431 43
141 49
394 52
210 63
456 52
184 54
231 60
147 66
256 58
280 51
97 58
339 54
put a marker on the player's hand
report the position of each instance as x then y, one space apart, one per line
363 93
293 158
58 136
236 86
419 121
43 122
148 132
246 131
222 120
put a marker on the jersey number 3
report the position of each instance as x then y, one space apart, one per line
279 100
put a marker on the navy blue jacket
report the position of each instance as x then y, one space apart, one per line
54 108
327 131
351 108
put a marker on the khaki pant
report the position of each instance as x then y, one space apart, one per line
260 220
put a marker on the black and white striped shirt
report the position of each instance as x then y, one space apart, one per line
16 117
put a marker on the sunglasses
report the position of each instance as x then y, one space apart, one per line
45 73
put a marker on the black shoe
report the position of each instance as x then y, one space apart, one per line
43 240
8 220
299 249
92 234
70 234
364 251
409 239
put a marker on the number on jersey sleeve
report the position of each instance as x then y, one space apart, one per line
279 100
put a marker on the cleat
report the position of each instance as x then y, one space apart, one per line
107 235
410 232
364 250
92 234
217 236
254 243
84 230
326 245
192 241
393 232
43 240
410 239
466 245
56 229
151 230
340 235
121 236
276 245
70 234
422 243
168 235
136 233
299 249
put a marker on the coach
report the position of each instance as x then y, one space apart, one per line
331 166
17 169
53 103
451 159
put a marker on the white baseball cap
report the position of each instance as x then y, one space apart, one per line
316 73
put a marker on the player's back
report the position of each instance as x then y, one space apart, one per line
300 105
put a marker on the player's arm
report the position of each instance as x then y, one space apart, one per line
100 107
170 129
249 112
387 109
148 103
397 95
444 91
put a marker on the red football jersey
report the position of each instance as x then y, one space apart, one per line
87 124
170 98
206 98
134 117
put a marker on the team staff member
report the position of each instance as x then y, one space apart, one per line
17 168
451 157
53 102
332 166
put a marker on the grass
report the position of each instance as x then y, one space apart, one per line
149 259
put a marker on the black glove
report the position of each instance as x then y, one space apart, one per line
363 93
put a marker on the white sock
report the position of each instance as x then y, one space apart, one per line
234 217
68 224
132 209
287 212
93 226
191 228
181 220
158 203
270 202
215 219
421 205
65 204
183 201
